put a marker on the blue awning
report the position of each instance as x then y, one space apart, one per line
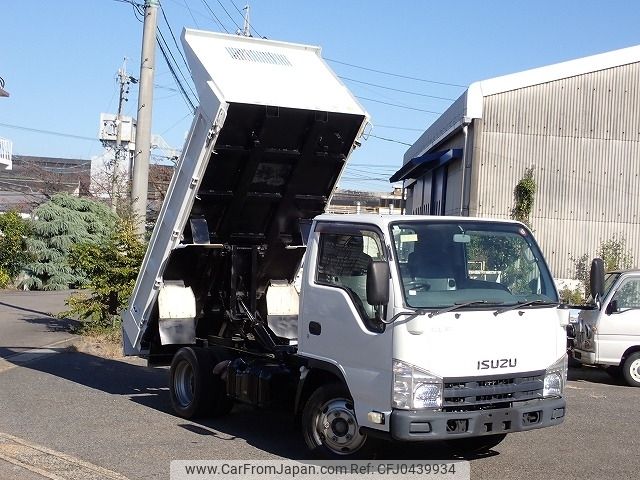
416 167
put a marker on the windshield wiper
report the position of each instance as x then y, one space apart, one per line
527 303
458 305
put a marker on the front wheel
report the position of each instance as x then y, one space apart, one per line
631 370
329 424
476 444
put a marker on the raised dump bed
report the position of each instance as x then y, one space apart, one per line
266 149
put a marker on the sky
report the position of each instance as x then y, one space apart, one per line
59 61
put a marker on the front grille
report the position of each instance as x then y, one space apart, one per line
500 391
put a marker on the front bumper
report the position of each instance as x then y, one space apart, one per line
413 425
588 358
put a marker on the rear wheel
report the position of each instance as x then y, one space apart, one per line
476 444
329 424
631 370
193 388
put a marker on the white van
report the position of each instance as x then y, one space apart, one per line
608 335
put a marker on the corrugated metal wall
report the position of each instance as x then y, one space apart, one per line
582 136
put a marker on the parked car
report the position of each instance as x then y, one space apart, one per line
608 334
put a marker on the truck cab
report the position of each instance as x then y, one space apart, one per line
470 342
608 333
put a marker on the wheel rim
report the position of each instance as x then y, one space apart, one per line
634 370
335 427
183 384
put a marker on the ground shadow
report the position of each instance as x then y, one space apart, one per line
273 432
55 324
594 375
23 309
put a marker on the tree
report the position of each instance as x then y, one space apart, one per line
111 268
13 247
613 252
60 223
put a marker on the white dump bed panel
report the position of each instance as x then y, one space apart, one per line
265 72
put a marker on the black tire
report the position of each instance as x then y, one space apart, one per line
193 388
631 370
339 438
476 444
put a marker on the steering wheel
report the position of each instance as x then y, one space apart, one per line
417 285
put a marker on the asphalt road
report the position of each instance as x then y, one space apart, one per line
95 413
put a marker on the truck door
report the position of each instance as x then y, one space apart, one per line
337 325
619 327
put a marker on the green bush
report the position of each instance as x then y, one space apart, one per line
5 279
572 296
14 231
111 269
614 253
60 223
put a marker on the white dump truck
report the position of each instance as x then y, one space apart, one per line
409 328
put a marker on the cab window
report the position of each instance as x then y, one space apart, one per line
343 263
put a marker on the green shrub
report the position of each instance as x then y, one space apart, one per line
572 296
111 269
614 253
5 279
13 246
60 223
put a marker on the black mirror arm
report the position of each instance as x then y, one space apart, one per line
404 314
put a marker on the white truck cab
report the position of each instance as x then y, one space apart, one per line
608 333
470 341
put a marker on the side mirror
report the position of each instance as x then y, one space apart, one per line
596 279
378 274
612 307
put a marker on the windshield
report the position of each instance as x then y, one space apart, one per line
446 263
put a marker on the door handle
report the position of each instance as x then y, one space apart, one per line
315 328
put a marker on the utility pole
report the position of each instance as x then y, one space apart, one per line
121 153
140 183
246 27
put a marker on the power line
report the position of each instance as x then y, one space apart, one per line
186 97
397 89
130 2
399 105
396 74
48 132
190 13
175 62
389 140
229 15
400 128
215 16
174 38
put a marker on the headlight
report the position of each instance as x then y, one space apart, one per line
414 388
555 378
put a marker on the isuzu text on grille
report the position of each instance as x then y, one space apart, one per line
500 363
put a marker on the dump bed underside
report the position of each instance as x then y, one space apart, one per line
271 168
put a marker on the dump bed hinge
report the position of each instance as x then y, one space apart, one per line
216 126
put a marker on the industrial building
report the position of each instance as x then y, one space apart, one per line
576 124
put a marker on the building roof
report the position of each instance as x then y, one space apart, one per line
469 105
